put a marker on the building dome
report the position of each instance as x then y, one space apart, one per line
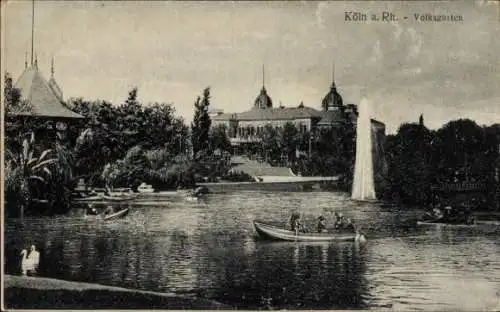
263 100
332 100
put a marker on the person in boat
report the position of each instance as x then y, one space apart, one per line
108 210
339 220
321 224
349 226
91 210
437 213
91 192
448 212
295 223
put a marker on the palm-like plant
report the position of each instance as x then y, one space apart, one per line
25 170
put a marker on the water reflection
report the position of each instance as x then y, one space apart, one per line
208 249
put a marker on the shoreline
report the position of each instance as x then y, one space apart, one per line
27 292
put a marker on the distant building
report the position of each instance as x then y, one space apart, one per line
244 128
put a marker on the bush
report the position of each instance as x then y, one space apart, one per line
238 176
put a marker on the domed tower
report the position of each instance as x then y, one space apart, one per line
263 100
333 108
332 100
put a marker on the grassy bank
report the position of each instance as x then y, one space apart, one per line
22 292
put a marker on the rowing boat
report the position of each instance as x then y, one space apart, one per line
117 198
462 221
276 233
120 214
88 198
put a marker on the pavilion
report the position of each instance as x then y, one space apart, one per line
46 104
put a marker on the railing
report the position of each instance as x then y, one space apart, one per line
459 187
245 139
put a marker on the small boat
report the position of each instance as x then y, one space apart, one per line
462 219
120 214
118 198
145 188
88 198
276 233
192 198
442 221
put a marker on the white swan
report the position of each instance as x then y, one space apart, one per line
29 262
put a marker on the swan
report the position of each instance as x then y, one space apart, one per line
29 262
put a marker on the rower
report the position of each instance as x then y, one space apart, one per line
321 224
108 210
339 220
349 226
295 222
91 210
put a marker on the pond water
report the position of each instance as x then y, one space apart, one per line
208 249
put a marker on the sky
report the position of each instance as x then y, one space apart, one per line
171 51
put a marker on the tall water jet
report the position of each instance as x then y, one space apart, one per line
363 185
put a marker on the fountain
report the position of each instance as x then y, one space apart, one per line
363 185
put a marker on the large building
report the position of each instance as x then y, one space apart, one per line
244 128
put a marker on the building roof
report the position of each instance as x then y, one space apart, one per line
285 113
332 117
44 101
55 88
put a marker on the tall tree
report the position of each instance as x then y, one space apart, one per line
289 140
219 139
408 155
129 121
200 127
12 96
271 145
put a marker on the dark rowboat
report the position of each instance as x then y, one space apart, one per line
276 233
465 219
444 222
120 214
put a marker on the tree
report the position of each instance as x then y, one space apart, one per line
289 140
271 143
110 174
134 168
129 121
458 151
200 126
409 168
219 139
12 96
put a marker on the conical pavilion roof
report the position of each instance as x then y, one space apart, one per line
55 88
43 99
